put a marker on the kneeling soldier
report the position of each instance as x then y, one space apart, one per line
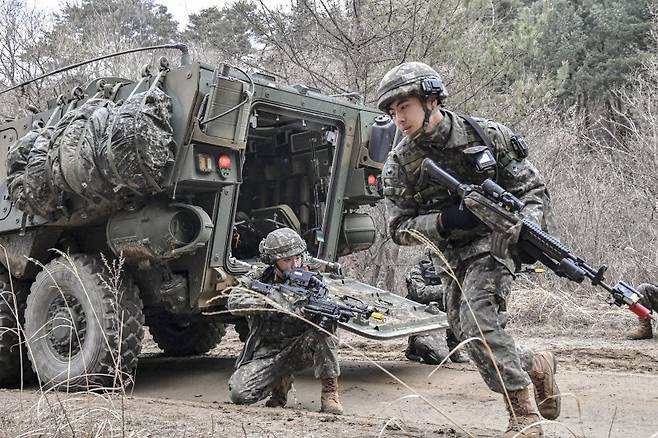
280 345
424 286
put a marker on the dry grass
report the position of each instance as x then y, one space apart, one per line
48 412
97 412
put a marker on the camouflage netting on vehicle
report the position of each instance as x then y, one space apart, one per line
41 197
16 163
73 150
98 152
140 143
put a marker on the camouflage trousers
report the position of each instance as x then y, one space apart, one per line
254 380
486 285
649 296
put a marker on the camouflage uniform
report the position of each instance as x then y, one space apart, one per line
424 290
412 204
486 280
649 296
278 344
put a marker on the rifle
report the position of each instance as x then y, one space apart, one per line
431 278
501 211
319 307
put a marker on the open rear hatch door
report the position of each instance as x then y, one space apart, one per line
402 317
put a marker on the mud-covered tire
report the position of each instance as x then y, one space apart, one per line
189 336
80 329
14 363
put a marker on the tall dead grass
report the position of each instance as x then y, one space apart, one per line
47 411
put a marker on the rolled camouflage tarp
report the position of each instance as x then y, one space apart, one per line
16 164
98 152
41 197
73 150
139 143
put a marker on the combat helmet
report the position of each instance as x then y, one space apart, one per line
410 79
279 244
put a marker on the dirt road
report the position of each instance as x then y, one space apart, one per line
620 402
612 390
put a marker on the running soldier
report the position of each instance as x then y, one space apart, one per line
471 150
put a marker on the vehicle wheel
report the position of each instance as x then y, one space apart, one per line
80 328
13 353
188 336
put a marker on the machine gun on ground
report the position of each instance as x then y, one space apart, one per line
501 212
320 308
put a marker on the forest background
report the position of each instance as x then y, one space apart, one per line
576 77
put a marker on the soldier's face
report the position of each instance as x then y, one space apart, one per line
289 263
407 114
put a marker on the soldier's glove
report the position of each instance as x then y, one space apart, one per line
503 243
455 218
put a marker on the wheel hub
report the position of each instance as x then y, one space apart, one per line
67 324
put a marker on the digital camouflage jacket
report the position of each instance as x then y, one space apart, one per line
270 330
453 144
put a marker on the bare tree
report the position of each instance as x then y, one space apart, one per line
20 27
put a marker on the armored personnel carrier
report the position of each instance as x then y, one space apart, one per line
138 202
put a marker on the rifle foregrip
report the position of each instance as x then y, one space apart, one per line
548 244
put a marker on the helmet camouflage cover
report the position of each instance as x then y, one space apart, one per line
281 243
407 80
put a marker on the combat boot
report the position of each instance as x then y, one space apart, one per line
329 402
279 396
547 394
522 414
643 331
429 349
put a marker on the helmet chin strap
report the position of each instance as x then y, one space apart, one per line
426 120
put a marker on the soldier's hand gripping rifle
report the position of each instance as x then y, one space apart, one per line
501 212
319 306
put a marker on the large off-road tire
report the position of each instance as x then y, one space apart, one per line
188 336
14 363
83 333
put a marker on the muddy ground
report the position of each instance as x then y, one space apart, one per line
611 388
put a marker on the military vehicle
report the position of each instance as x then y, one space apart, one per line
131 203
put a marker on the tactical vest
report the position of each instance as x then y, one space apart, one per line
402 170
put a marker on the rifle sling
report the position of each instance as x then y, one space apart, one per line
480 132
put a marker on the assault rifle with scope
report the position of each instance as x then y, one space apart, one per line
320 307
500 210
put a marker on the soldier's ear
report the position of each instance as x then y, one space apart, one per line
432 102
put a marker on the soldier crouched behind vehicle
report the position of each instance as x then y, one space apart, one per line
424 286
280 345
644 330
